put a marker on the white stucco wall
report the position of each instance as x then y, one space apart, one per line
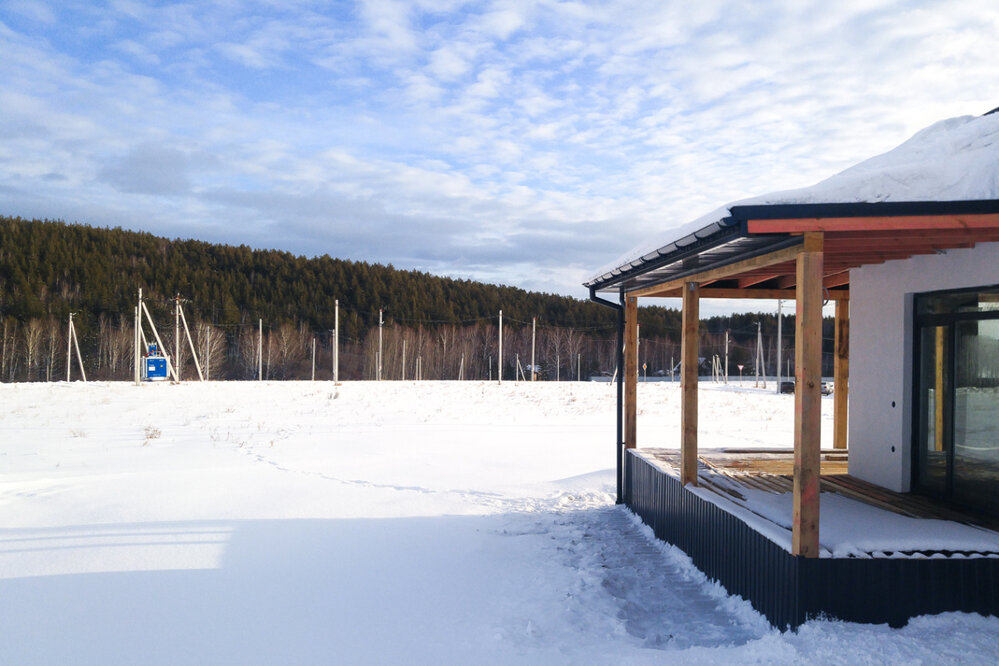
880 425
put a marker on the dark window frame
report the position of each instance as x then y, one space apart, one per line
935 320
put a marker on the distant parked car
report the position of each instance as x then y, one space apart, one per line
788 387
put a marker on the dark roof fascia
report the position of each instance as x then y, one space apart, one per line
863 209
736 226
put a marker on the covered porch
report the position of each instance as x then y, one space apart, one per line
803 252
749 553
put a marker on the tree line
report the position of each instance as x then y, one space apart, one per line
444 328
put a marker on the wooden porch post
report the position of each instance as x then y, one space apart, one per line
807 397
630 372
841 374
688 384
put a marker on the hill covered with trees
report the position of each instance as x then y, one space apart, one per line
446 326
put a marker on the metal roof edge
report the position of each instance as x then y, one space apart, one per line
705 237
740 214
865 209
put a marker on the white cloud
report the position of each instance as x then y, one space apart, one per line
502 23
245 54
34 10
511 139
448 64
137 51
389 24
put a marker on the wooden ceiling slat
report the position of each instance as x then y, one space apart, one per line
860 246
973 235
836 279
750 280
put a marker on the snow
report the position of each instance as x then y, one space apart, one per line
851 528
432 522
951 160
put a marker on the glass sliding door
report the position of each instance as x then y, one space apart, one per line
956 443
976 415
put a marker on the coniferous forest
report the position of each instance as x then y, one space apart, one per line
433 327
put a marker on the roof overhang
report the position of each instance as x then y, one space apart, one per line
751 253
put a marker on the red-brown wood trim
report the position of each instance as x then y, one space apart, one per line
896 222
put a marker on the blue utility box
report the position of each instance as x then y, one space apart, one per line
154 365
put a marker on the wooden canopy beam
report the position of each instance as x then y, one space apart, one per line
807 398
836 279
896 223
919 243
756 278
931 236
735 268
761 294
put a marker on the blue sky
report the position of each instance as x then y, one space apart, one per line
524 143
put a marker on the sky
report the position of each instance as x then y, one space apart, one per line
520 143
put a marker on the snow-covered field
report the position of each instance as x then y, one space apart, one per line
421 523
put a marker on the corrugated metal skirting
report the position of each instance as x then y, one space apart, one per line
789 590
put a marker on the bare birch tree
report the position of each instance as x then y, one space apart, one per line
33 334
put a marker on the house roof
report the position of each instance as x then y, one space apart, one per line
937 191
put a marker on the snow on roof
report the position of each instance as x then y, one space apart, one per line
952 160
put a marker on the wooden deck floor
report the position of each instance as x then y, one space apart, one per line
726 471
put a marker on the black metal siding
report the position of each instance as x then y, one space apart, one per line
789 590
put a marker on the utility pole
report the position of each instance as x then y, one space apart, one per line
76 343
313 359
534 332
726 357
759 355
135 345
190 341
138 339
171 367
336 341
779 304
79 357
176 334
260 352
579 367
404 359
69 346
499 367
378 368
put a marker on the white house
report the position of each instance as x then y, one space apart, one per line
907 245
